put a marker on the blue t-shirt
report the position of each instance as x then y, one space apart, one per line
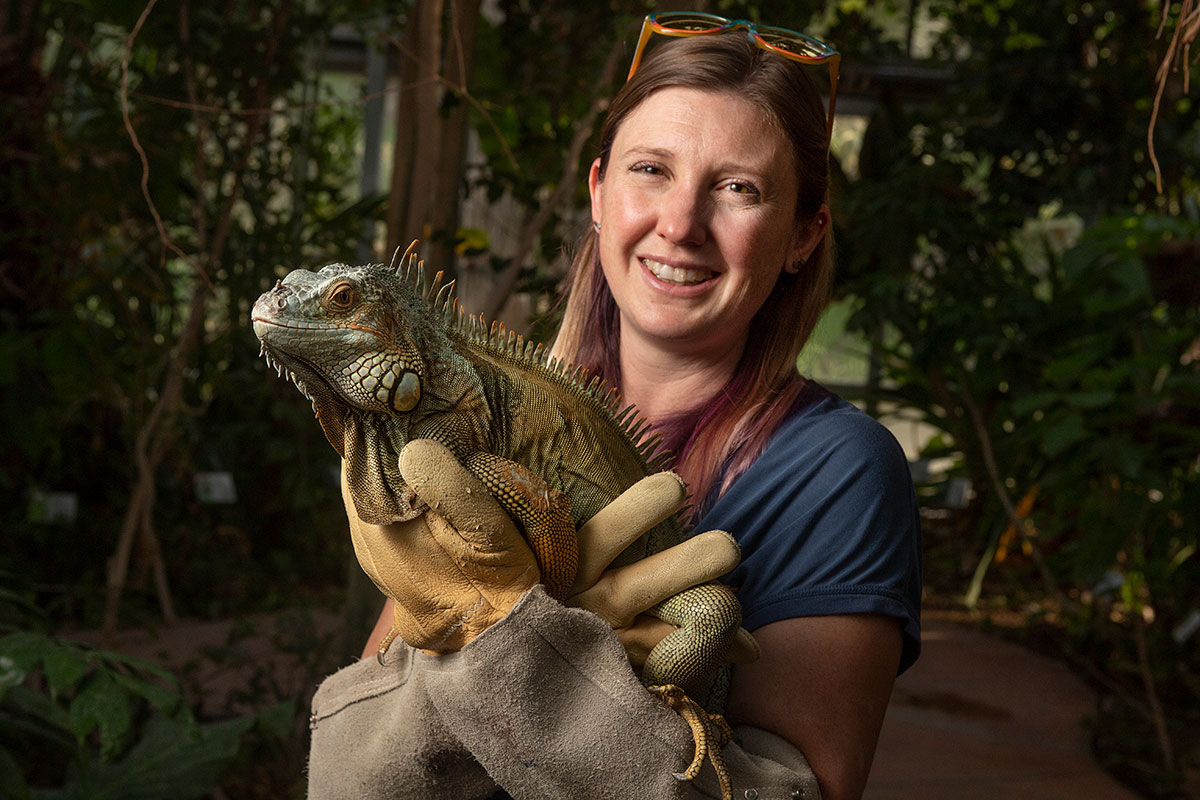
827 521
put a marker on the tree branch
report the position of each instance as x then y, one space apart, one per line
566 185
1020 522
1186 29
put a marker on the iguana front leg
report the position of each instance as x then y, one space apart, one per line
543 513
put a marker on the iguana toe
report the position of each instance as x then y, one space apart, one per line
710 732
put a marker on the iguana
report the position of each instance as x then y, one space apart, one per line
386 358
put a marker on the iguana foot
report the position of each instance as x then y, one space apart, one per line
710 732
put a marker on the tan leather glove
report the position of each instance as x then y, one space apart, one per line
620 595
453 571
457 569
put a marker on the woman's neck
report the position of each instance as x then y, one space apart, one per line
662 383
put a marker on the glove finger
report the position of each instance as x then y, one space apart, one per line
456 495
638 509
643 636
622 593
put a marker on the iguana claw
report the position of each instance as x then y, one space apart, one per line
705 728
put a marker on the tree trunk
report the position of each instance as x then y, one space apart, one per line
460 52
427 133
406 128
153 441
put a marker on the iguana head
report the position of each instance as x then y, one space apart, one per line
349 337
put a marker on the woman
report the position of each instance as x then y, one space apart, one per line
715 266
705 271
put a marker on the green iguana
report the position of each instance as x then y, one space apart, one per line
386 359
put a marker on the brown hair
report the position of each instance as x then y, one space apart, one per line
725 435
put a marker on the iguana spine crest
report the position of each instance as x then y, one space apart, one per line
497 337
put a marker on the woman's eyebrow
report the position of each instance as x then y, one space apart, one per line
654 152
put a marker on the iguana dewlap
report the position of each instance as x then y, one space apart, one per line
387 360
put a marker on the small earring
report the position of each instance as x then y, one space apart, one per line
596 225
793 267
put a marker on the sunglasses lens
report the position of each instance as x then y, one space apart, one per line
793 42
691 22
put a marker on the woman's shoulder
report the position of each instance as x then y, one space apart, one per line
826 454
827 520
825 429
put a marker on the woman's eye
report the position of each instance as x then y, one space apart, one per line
742 188
647 169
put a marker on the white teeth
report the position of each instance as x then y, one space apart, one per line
683 277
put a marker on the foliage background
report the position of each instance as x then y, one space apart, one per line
1027 293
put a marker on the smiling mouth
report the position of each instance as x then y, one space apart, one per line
677 276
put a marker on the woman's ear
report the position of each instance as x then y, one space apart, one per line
808 236
595 183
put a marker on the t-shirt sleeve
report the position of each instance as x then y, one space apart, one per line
828 523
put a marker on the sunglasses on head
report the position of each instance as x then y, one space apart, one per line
787 43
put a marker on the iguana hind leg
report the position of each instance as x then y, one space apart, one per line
543 513
710 732
709 619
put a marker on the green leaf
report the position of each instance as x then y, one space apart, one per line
32 714
1122 456
103 706
12 781
11 674
24 649
1023 41
1186 552
1069 368
172 761
139 664
278 718
1090 400
64 664
164 698
1038 401
1065 433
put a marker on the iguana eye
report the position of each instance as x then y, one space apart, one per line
341 297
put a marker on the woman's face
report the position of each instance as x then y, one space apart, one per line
697 216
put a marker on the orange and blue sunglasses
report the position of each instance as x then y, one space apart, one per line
787 43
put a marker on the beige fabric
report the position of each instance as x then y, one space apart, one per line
375 734
545 702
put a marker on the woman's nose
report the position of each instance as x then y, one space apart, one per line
681 216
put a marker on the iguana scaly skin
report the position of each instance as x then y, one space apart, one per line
386 359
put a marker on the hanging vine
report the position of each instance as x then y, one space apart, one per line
1178 54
